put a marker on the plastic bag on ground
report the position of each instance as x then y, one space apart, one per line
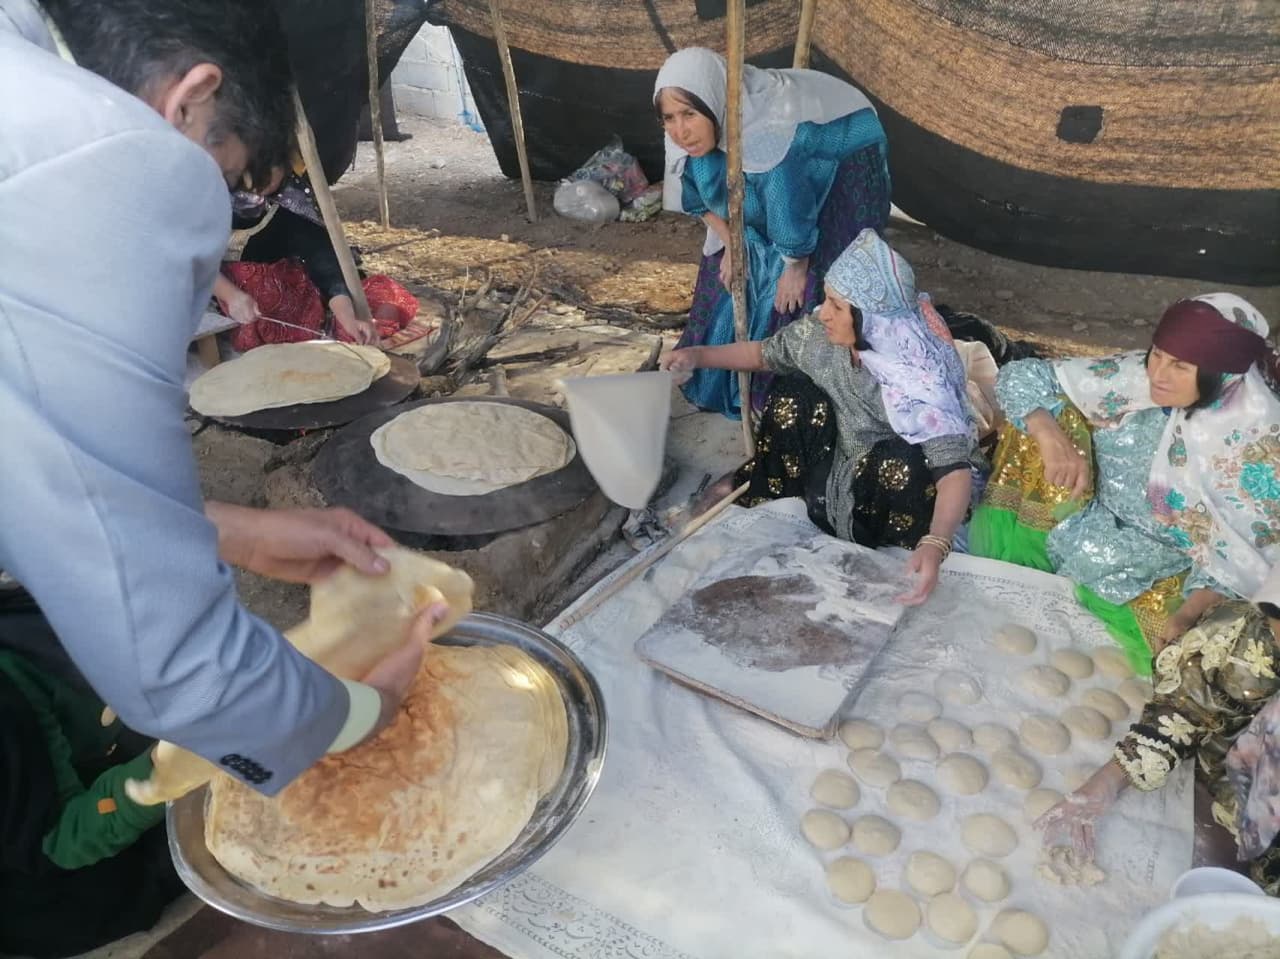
586 200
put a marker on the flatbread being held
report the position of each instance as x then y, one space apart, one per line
355 620
403 819
283 374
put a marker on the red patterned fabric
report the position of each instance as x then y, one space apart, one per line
283 291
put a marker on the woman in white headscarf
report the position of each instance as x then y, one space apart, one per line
869 420
1181 443
816 172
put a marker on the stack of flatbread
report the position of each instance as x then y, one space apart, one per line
471 448
283 374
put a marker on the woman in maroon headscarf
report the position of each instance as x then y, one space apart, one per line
1185 444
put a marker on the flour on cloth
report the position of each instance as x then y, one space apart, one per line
471 448
284 374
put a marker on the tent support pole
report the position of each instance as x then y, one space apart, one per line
513 104
804 34
735 25
375 110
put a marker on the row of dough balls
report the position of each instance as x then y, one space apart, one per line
948 915
1054 679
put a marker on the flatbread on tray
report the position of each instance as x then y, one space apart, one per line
284 374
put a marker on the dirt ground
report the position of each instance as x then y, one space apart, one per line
451 207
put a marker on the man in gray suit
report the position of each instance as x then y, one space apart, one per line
122 125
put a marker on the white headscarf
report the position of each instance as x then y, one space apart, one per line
774 103
1215 479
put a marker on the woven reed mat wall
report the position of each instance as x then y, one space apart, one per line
626 34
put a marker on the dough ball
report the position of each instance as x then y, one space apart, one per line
962 775
1044 682
1045 735
986 880
860 734
950 918
1022 933
992 737
919 707
1015 639
950 735
1016 770
1086 722
1111 662
912 800
875 836
835 789
1039 802
957 689
929 874
988 835
874 768
1072 662
989 950
850 880
913 741
824 830
893 914
1077 776
1135 692
1107 703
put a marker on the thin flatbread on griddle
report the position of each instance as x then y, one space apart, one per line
355 620
283 374
404 819
471 448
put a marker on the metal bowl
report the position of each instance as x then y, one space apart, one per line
588 732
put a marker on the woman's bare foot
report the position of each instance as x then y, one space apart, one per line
714 494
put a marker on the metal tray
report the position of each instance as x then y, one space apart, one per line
588 732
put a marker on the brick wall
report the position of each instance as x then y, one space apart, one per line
425 81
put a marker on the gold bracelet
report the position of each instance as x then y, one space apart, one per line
937 542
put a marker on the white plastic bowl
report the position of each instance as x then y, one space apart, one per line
1215 910
1213 879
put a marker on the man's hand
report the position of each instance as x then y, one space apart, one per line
1063 463
923 566
791 286
296 545
344 311
395 673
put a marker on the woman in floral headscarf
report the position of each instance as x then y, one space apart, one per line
1185 443
1215 700
871 423
815 165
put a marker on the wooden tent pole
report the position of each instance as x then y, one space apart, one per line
329 211
735 23
804 34
513 104
375 109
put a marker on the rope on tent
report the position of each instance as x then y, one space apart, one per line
329 211
375 109
804 34
513 103
735 51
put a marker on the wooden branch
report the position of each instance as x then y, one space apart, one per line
735 25
375 109
804 34
329 211
513 104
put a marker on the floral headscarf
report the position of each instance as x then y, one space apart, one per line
1215 479
921 375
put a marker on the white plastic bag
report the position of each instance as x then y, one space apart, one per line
586 200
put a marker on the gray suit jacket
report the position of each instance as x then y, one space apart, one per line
112 225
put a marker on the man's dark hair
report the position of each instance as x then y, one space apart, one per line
134 43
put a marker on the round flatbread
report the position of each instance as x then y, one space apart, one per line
471 448
284 374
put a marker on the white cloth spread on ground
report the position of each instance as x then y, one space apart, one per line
691 845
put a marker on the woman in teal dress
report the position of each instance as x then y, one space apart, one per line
815 161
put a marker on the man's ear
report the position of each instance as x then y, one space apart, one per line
193 89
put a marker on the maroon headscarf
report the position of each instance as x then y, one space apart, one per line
1195 332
